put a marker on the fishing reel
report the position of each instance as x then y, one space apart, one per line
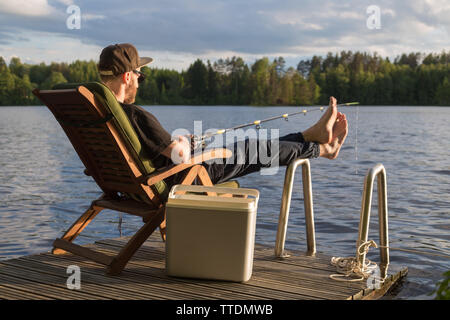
197 142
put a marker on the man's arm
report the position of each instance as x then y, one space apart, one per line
179 150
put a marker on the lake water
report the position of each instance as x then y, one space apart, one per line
43 188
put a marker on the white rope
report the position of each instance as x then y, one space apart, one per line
350 270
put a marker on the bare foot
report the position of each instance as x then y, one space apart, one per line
340 131
339 126
322 130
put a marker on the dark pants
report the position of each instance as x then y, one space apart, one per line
245 161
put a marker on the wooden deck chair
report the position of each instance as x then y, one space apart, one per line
109 148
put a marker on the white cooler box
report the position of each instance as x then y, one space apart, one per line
211 237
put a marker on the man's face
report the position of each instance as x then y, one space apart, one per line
131 88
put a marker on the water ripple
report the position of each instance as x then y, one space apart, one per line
43 188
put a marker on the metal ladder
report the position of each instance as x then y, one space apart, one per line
378 171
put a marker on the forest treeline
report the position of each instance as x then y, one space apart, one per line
411 79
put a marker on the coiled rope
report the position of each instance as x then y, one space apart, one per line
348 268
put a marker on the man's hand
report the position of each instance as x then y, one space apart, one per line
179 151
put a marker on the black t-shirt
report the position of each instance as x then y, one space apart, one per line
151 134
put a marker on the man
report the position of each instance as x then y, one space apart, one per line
119 68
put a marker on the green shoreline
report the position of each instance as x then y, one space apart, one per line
411 79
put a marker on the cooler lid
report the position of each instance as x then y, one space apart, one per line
195 198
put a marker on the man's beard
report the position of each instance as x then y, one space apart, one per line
130 93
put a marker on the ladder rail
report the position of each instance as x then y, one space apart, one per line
378 172
286 204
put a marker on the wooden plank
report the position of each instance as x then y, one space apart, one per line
298 268
234 290
264 279
344 290
95 282
15 294
86 286
35 282
257 280
155 246
83 251
151 281
265 291
298 277
146 250
143 276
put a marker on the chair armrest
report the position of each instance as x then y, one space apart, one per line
163 173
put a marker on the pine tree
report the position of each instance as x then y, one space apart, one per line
443 93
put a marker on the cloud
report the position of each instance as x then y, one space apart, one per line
179 29
88 16
26 7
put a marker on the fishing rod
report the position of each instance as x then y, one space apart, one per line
257 123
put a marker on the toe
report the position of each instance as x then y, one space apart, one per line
332 101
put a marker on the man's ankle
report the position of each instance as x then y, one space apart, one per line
307 135
322 150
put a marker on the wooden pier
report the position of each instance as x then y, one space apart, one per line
299 277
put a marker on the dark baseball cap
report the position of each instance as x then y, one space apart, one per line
120 58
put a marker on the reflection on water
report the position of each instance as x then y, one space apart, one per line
43 188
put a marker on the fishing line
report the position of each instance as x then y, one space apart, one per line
356 138
119 226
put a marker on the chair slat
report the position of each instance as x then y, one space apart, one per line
114 171
76 112
123 187
129 206
83 251
101 147
116 178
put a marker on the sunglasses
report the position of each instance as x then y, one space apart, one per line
141 75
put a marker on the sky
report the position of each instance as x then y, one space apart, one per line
177 32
